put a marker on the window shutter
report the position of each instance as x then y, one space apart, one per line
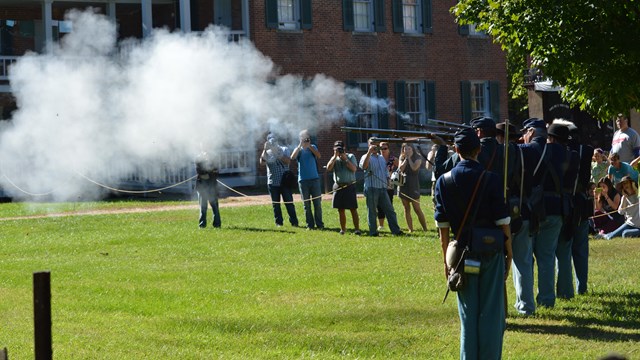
383 113
350 120
378 16
430 98
400 103
271 13
463 29
494 93
347 15
427 26
396 13
305 11
465 93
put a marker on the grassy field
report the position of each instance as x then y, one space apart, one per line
151 285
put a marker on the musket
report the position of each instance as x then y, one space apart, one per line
432 127
395 133
459 125
506 170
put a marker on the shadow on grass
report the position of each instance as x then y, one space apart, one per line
586 314
255 229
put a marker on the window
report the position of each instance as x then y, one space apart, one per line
480 98
412 16
364 112
286 11
415 102
288 14
471 30
363 15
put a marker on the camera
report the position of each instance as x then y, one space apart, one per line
307 140
340 150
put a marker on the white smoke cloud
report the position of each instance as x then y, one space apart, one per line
94 109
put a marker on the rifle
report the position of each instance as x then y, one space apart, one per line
410 135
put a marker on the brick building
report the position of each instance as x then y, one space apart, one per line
411 52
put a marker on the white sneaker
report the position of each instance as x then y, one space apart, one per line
380 228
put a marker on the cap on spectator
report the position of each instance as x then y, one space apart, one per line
483 123
338 143
466 140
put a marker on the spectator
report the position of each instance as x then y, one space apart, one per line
618 169
344 167
626 141
307 155
276 157
606 201
629 209
599 165
392 165
375 189
409 192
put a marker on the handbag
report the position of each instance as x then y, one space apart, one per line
397 178
289 179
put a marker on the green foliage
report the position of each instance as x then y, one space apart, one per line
151 285
589 47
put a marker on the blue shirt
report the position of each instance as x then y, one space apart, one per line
625 169
307 165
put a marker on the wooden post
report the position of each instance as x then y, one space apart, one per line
42 315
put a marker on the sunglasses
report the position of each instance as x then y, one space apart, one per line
384 148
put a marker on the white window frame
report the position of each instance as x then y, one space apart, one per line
366 114
290 9
363 15
411 15
414 102
480 100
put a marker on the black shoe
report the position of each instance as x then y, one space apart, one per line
399 233
374 234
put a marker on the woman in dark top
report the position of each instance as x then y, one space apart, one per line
606 201
409 192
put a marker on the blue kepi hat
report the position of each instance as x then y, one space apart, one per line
466 140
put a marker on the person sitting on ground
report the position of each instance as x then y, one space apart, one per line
629 209
599 165
618 169
409 192
606 201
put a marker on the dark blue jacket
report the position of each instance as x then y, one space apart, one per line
451 203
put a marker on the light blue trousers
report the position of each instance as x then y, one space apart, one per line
522 245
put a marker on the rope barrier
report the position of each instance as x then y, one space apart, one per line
134 191
25 191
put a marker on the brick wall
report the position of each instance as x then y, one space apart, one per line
442 56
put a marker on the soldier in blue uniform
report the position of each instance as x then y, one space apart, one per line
574 240
521 188
481 301
553 166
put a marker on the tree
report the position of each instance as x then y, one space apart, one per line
590 47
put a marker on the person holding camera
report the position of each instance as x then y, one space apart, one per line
276 158
307 155
392 165
409 192
375 189
344 168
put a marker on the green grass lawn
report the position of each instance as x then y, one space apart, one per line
153 286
